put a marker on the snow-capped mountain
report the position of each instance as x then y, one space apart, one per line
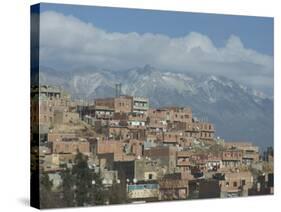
238 112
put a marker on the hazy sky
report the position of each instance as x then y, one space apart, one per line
239 47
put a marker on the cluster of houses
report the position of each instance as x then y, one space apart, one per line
156 153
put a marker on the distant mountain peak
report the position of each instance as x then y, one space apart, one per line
238 112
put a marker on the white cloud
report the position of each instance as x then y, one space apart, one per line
69 43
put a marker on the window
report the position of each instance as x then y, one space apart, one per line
150 176
235 184
243 182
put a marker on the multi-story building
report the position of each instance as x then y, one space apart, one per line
50 99
137 120
165 155
65 147
65 117
165 117
117 104
134 147
50 91
117 132
214 163
173 189
172 137
123 104
104 113
183 160
110 146
143 192
200 130
138 170
60 136
250 152
232 158
157 119
236 184
104 103
140 104
178 114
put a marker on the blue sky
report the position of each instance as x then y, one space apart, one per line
255 32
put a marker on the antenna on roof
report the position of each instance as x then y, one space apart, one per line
118 89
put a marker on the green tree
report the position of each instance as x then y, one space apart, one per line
98 191
117 193
48 198
46 182
83 179
67 188
45 191
87 192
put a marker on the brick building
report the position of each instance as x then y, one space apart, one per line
65 147
173 189
236 184
117 132
178 114
183 160
117 104
232 158
200 130
110 146
250 152
165 155
59 136
140 104
137 120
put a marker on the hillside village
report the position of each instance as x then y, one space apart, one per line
141 153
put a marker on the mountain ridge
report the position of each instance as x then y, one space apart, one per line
238 112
